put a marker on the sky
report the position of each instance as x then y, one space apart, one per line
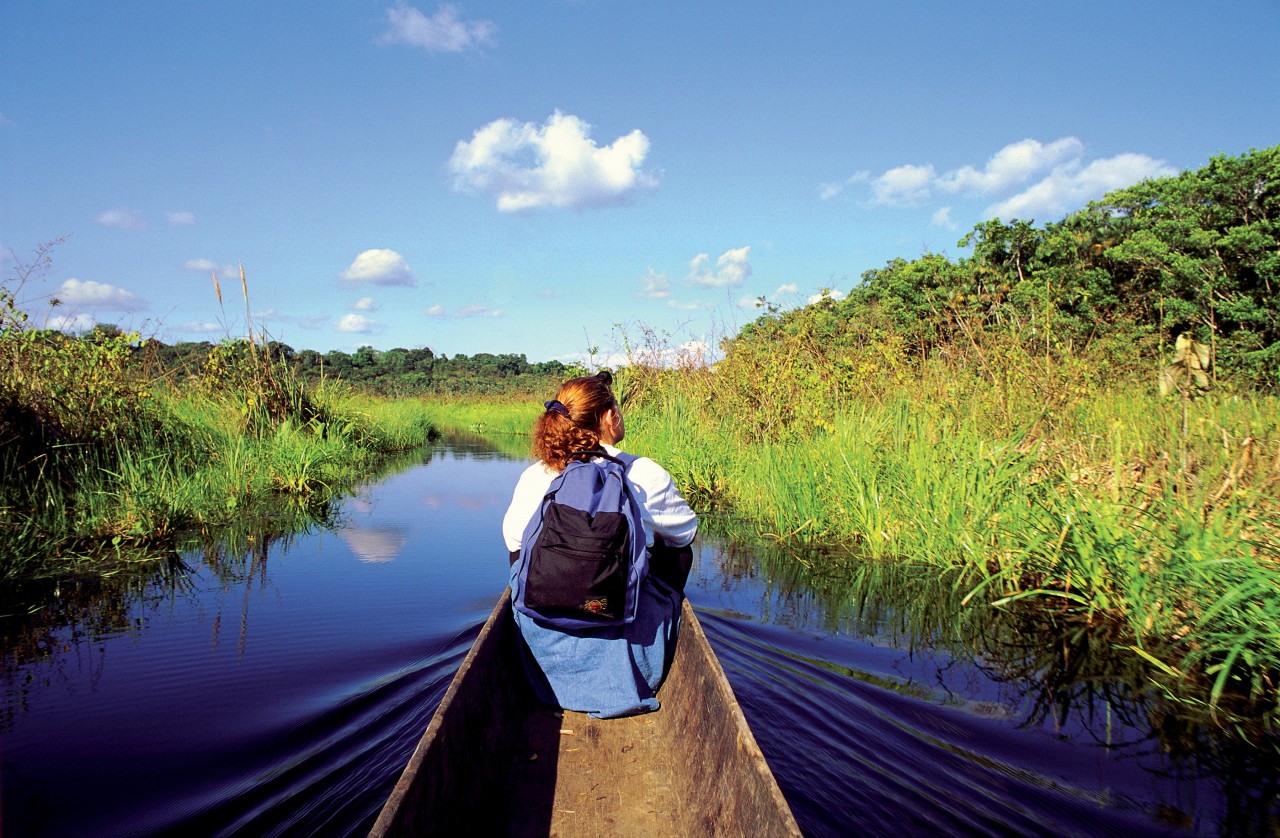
569 178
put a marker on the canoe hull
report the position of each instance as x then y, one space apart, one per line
495 761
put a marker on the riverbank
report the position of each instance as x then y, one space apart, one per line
104 463
1153 520
1157 517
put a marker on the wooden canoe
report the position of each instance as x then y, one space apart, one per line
493 761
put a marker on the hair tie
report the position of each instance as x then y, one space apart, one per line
556 406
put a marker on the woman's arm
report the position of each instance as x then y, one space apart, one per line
666 513
530 488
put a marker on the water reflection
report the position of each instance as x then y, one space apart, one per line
1041 670
275 676
376 544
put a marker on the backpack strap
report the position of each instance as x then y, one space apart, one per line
623 459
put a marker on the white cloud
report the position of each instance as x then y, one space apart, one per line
690 353
98 295
365 304
656 286
827 191
904 185
479 311
1012 165
783 290
121 218
379 267
1060 177
732 269
210 266
678 306
1072 186
72 323
826 294
554 165
464 312
442 32
750 302
181 218
356 324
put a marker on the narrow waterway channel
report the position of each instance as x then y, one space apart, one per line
272 686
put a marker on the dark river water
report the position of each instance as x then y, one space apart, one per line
276 686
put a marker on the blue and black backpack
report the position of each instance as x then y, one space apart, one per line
583 555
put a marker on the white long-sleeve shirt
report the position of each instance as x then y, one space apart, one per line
664 511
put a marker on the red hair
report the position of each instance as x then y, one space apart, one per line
556 437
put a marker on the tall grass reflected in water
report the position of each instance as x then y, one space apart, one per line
1034 704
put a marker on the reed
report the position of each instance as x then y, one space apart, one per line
189 459
1110 507
490 416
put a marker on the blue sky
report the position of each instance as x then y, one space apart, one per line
542 177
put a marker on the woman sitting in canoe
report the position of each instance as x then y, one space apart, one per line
610 669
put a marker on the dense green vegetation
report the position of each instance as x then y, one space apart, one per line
395 372
101 459
997 419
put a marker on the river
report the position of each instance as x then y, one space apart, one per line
276 685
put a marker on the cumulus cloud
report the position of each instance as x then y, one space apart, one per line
655 286
365 304
72 323
442 32
904 185
379 267
121 218
355 324
557 164
1072 186
731 270
1053 178
181 218
679 306
98 296
1013 166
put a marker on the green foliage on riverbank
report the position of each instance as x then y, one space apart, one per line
998 419
98 459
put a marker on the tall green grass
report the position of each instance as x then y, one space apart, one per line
1111 507
155 461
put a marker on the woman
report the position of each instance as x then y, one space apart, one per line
612 670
